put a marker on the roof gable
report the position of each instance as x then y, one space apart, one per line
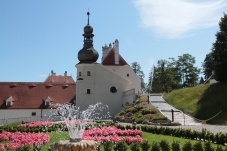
110 59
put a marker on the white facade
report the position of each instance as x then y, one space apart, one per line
96 87
17 114
98 83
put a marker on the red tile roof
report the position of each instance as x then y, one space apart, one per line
110 59
32 95
59 79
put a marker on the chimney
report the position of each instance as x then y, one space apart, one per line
105 51
52 76
65 74
116 54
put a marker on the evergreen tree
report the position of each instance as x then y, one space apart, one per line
208 65
219 50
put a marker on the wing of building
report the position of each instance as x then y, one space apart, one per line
21 100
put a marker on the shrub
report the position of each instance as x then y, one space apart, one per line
208 147
219 148
145 145
155 146
198 146
135 146
108 145
175 146
187 146
121 146
164 145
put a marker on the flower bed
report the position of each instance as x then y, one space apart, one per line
37 124
19 139
113 134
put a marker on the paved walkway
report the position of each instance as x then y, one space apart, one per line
158 102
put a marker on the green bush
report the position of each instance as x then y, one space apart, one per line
135 146
155 146
148 111
219 148
175 146
121 146
145 145
208 147
108 145
198 146
187 146
164 145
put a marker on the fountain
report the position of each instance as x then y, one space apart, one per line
76 121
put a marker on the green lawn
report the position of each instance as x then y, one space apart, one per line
150 137
202 102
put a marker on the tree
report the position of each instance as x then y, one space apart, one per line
174 74
138 71
164 75
189 74
208 65
150 80
219 49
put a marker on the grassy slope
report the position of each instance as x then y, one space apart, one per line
202 102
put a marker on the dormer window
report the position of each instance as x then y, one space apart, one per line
9 101
48 102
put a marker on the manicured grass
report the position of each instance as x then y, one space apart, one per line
157 138
202 102
149 136
55 137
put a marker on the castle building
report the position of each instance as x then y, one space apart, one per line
111 82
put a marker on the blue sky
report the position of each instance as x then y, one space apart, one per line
39 36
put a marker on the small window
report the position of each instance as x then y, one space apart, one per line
79 73
33 113
47 103
88 91
88 73
127 75
8 103
113 89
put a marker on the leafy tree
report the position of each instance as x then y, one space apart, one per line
174 74
163 79
219 49
137 69
189 74
208 65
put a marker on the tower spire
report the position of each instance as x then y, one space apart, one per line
88 13
88 54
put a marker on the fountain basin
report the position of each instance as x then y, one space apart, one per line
83 145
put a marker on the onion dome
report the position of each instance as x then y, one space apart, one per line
88 54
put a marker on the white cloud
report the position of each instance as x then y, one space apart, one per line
178 18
